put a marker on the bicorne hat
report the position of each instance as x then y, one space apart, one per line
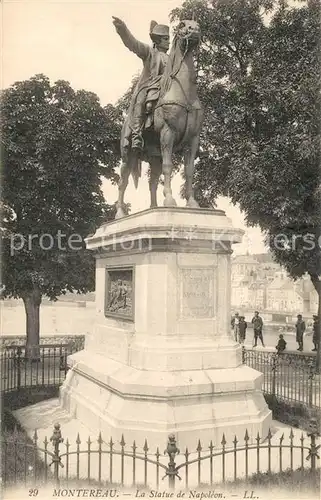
158 30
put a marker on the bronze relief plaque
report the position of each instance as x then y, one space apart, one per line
119 301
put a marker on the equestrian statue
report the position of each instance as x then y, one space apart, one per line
165 115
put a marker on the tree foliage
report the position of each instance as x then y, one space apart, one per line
259 81
58 143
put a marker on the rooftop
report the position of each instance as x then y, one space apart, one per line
244 259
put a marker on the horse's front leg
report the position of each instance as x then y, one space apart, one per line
189 165
155 171
122 185
167 137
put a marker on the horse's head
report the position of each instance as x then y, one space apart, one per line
188 34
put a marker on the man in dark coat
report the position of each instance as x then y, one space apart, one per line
147 89
300 329
257 322
316 332
242 329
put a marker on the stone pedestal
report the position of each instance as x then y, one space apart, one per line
161 358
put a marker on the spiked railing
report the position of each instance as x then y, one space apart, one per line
47 369
88 463
290 377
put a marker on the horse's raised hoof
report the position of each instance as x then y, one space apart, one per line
192 203
169 201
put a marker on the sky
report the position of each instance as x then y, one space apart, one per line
75 40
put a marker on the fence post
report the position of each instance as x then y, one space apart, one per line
273 373
172 451
313 450
310 382
61 359
18 365
56 439
243 354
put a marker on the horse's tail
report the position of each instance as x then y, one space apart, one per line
135 170
134 165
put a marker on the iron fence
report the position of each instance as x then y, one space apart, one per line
46 367
100 463
290 377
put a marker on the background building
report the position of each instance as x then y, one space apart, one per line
260 283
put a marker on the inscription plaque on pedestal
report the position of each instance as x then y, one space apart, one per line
197 293
119 302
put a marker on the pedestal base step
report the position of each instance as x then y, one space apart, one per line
199 404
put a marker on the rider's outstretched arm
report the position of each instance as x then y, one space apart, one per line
141 49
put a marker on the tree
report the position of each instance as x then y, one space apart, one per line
57 145
259 81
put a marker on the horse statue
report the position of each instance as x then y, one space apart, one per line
173 127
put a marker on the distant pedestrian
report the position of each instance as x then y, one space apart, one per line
235 325
242 329
281 345
316 332
300 329
257 322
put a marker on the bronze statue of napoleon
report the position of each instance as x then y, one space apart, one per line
165 114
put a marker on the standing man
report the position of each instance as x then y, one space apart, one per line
147 89
300 329
242 329
316 332
235 325
257 322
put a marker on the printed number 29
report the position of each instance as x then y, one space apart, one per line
33 493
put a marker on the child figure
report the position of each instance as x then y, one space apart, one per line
281 345
242 329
